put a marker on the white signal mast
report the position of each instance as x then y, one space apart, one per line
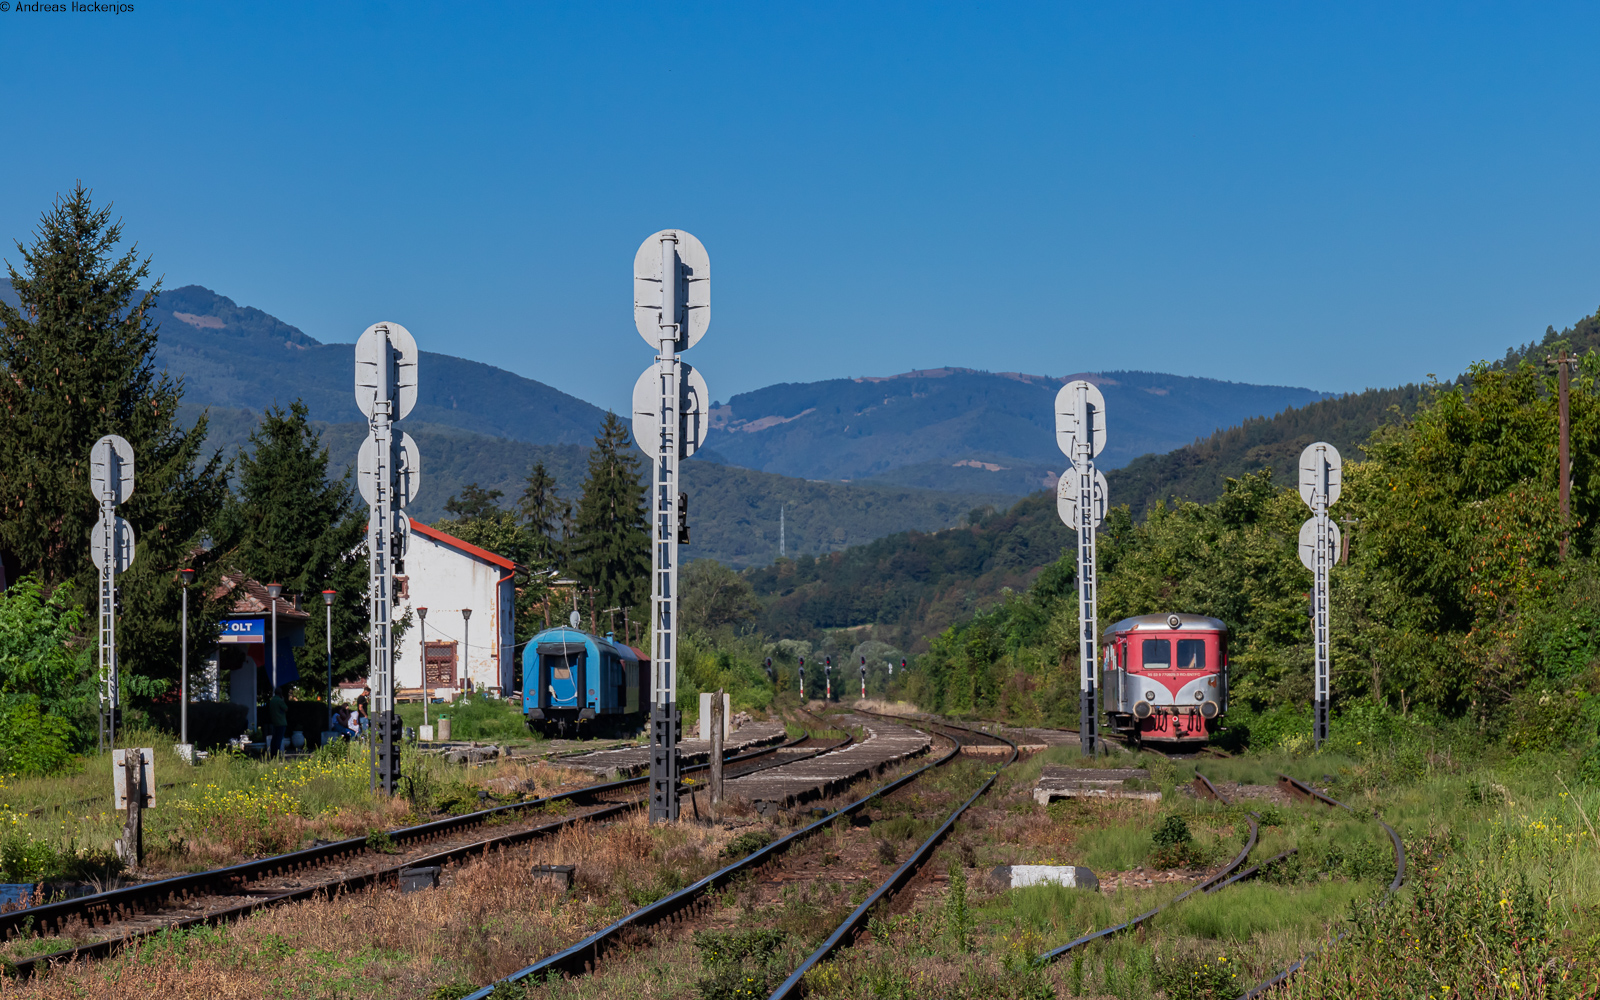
672 309
1081 504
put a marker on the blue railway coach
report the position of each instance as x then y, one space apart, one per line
577 683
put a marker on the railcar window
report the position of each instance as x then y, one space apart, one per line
1157 654
1191 654
561 667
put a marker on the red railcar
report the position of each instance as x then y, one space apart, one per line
1165 677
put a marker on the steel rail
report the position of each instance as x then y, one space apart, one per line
852 924
119 904
573 959
102 949
1304 791
1127 925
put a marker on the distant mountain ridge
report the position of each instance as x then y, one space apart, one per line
966 425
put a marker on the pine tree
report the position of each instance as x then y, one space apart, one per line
289 524
544 513
79 362
611 552
474 502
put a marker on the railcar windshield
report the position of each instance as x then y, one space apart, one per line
1157 654
1191 654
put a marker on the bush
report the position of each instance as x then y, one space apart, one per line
33 742
1174 845
746 843
739 964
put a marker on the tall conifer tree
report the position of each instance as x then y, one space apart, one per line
611 552
78 360
289 523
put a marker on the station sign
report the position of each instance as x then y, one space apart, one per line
253 630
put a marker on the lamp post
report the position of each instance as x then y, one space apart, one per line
466 647
327 603
187 576
422 638
273 590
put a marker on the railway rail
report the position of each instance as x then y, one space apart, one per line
170 904
1305 792
585 955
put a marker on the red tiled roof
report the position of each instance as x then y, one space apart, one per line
467 547
254 599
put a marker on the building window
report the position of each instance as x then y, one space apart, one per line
439 665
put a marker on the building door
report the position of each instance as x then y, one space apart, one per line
439 665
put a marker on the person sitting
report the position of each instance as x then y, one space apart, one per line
340 724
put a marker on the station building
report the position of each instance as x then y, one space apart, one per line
469 633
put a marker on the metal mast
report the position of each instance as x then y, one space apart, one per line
671 301
387 471
1321 478
1080 502
112 549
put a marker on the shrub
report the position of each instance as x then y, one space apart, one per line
746 843
33 742
739 964
1174 845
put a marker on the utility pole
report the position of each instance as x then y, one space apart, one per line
112 549
1564 363
1081 504
781 549
1321 482
672 310
388 471
327 603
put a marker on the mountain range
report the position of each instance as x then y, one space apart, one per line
841 461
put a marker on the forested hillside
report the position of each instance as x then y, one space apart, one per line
1200 470
908 587
735 512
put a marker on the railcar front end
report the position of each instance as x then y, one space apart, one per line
1165 677
576 683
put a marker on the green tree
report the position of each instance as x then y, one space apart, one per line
46 698
474 502
79 363
713 596
289 523
611 550
544 514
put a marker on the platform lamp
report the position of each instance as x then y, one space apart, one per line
466 647
422 638
327 603
187 575
273 590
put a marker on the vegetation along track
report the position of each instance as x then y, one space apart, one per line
585 955
1232 874
122 916
1301 790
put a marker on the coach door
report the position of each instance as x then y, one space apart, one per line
562 667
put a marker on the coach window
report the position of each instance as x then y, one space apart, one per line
1191 654
1157 654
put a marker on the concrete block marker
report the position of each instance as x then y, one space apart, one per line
1068 876
1061 782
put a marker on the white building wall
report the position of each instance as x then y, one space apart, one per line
444 580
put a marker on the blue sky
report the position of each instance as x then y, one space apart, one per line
1329 195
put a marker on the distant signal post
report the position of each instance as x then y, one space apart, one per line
672 309
1081 503
1321 481
388 471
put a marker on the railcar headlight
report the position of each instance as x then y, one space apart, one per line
1149 696
1198 695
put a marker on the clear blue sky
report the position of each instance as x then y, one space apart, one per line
1323 194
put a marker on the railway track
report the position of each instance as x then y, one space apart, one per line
585 955
1234 873
1305 792
126 915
